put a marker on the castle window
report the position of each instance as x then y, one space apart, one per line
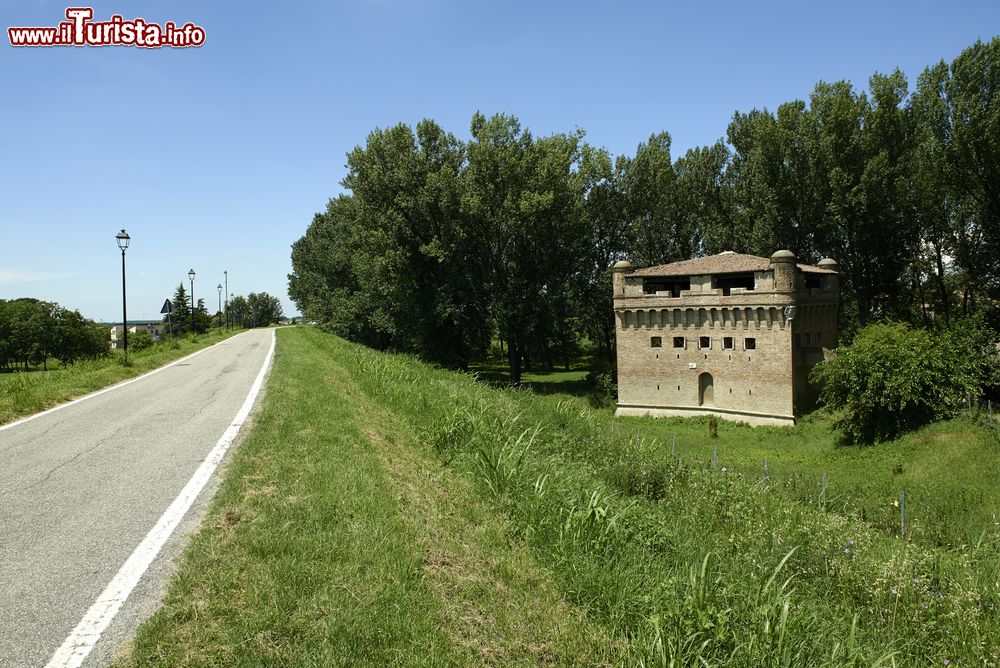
673 286
678 342
749 343
809 339
655 342
704 342
727 283
727 343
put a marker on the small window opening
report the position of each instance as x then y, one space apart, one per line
727 343
678 342
704 342
809 339
655 342
750 343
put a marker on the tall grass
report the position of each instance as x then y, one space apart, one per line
687 565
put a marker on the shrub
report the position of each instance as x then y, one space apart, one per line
603 388
894 378
139 341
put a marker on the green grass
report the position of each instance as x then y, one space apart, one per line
524 532
947 471
569 381
25 393
336 539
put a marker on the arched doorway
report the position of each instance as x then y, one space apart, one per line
705 389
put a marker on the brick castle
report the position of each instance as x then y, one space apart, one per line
730 335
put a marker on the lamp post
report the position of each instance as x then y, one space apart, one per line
226 275
123 239
191 277
220 305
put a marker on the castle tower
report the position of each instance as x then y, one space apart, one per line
621 268
731 335
783 262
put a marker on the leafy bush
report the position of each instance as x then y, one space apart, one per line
604 388
894 378
139 341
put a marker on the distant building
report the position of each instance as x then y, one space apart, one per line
731 335
153 328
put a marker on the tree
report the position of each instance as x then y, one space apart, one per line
180 319
659 234
262 310
523 202
33 331
238 310
704 199
605 213
894 378
202 319
932 199
973 94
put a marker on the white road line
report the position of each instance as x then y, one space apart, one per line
86 634
113 387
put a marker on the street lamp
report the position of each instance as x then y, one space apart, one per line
191 276
123 239
220 305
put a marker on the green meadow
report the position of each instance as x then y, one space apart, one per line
386 512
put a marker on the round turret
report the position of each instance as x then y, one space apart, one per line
828 263
784 264
621 268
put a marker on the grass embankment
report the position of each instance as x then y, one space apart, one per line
509 527
947 471
24 393
337 538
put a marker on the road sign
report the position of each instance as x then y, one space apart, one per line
167 307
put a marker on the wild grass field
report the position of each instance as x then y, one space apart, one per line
383 511
23 393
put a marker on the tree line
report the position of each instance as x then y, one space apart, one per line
439 246
34 331
258 309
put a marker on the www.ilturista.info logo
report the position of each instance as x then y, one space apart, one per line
81 30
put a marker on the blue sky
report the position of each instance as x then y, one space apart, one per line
217 158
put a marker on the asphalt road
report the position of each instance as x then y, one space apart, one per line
80 488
